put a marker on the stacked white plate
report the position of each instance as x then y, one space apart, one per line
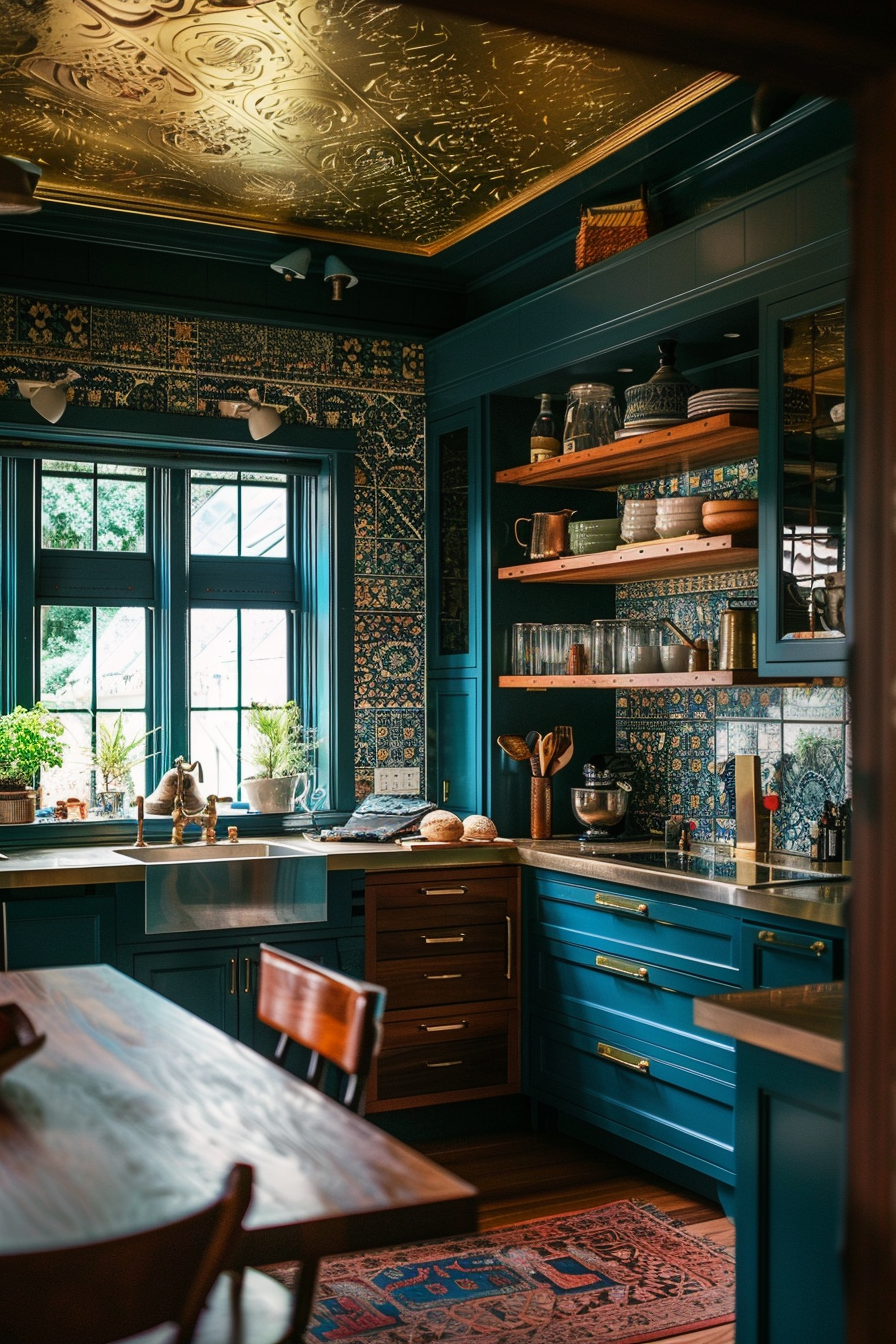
719 400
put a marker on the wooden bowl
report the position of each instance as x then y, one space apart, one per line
740 520
729 505
18 1039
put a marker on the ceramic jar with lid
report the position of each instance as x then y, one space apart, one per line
663 399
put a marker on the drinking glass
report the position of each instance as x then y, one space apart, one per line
526 654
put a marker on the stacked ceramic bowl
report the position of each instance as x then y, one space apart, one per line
639 520
680 515
597 534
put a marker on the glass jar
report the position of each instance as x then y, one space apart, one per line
642 647
608 646
592 417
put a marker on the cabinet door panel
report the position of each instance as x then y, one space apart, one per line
204 982
454 716
65 931
780 957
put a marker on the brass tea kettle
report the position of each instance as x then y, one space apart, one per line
549 537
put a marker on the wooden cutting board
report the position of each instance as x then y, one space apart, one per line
452 844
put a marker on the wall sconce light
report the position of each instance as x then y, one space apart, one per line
18 178
296 265
338 274
48 399
262 419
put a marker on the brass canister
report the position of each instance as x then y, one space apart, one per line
738 639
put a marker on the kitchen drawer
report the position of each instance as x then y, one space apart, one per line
637 1090
637 923
453 939
420 982
633 997
445 886
780 957
446 1027
440 1066
430 914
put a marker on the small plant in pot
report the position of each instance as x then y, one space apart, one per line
29 739
280 755
115 757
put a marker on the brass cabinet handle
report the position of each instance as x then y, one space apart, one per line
623 1057
619 966
455 975
445 1064
247 980
445 1026
623 905
456 938
770 936
233 975
509 947
442 891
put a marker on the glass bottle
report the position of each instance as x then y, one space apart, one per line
543 441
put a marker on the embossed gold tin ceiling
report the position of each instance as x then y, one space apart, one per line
379 124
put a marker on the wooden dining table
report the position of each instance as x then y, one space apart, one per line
134 1111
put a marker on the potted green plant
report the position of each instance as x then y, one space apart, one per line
115 757
280 754
29 739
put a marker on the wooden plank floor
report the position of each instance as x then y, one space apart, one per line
521 1175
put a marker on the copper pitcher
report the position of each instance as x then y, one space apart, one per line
549 537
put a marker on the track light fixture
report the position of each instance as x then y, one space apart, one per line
262 419
18 178
296 265
48 399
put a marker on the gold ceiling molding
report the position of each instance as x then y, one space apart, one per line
344 120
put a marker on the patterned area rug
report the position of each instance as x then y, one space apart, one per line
621 1274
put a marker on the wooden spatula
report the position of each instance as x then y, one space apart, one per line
546 752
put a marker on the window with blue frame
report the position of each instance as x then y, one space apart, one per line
166 600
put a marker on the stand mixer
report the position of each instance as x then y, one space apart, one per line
602 804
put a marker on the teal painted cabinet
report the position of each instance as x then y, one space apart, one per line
805 484
789 1200
58 931
608 1029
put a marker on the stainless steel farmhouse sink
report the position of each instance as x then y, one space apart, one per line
245 885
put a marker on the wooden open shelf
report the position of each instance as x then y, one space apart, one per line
644 457
656 681
654 560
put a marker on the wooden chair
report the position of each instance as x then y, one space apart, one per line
161 1277
340 1020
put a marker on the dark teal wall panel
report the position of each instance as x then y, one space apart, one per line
770 228
822 206
673 267
720 248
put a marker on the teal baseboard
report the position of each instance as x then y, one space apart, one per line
658 1165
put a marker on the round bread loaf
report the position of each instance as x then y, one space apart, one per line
441 826
479 828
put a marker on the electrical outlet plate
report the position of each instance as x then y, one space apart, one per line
389 780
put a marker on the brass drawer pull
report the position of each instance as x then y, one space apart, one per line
625 905
233 975
623 1057
458 938
455 975
621 967
509 948
445 1064
770 936
442 891
247 982
446 1026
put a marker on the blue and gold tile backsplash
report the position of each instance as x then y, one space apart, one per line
684 741
183 365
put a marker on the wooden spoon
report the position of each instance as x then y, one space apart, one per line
533 740
514 745
563 748
546 752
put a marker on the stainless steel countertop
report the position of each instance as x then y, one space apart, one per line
821 903
803 1021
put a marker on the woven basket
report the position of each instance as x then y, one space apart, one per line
607 229
17 808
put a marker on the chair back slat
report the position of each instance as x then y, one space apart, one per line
109 1290
330 1014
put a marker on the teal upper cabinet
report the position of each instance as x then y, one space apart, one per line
805 486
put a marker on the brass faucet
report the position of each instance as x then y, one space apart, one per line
179 814
210 818
141 843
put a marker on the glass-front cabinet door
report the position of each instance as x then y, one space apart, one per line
804 487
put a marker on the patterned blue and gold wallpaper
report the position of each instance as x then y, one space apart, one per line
684 741
152 361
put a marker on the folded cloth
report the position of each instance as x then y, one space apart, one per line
381 817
